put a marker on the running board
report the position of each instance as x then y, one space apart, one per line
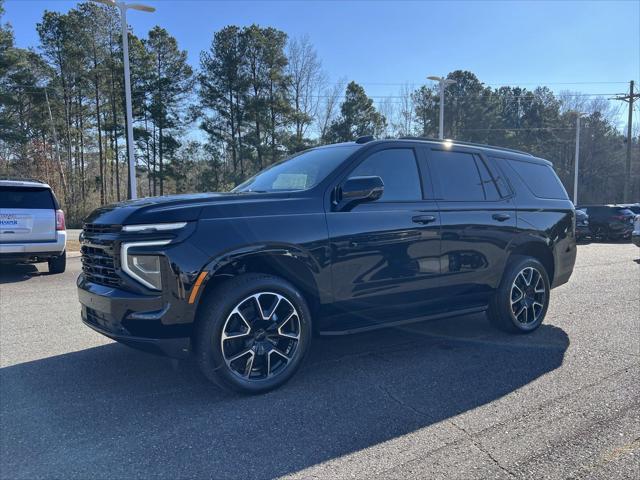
437 316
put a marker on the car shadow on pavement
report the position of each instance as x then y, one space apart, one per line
113 412
12 273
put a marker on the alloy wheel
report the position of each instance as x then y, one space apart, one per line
528 296
260 336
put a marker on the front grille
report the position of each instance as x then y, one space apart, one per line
98 266
91 228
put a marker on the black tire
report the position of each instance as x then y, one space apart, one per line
507 315
58 264
217 313
601 234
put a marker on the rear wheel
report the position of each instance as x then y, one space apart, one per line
253 333
601 233
58 264
521 302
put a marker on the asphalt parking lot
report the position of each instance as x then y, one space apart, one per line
446 399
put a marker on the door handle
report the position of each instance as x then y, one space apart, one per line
501 217
424 219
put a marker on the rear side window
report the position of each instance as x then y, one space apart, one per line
540 178
490 190
399 172
457 175
18 197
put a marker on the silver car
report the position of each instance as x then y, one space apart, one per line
32 227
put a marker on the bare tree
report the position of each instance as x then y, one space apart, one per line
329 109
406 111
306 82
388 109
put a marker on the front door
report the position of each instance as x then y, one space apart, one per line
385 253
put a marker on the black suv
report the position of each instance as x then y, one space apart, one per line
609 222
337 239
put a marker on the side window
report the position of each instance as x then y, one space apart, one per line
540 178
490 189
458 175
498 176
399 172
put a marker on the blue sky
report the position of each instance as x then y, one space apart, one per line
382 44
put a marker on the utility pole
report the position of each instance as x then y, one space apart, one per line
627 170
579 115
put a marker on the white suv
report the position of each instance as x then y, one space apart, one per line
31 225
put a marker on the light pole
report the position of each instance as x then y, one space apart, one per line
123 7
443 82
579 115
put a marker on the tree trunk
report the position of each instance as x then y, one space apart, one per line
99 127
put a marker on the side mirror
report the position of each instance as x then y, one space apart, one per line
358 190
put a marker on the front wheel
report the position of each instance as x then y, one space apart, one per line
253 332
520 303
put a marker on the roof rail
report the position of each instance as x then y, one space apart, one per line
471 144
365 139
20 179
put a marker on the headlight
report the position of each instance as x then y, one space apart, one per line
154 227
142 267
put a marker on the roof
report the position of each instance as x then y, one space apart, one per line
461 143
26 183
447 143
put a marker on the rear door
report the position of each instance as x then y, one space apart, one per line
478 218
27 214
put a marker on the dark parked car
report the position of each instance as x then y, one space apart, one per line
338 239
582 225
609 222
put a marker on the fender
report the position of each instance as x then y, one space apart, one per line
315 269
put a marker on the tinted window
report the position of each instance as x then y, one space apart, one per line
19 197
300 172
540 178
501 183
623 211
458 176
490 190
634 208
399 172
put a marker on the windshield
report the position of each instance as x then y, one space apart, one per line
300 172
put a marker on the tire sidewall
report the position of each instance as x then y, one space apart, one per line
213 319
58 264
505 293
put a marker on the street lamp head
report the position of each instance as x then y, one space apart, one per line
435 79
122 5
142 8
448 81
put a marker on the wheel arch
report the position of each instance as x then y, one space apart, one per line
537 248
289 262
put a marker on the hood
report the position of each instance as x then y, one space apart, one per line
168 208
189 207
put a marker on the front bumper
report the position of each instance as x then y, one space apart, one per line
132 319
635 238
